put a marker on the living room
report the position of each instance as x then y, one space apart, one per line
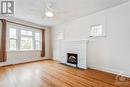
65 43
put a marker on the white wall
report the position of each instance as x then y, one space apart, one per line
14 57
110 53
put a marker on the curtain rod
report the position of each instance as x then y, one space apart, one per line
24 25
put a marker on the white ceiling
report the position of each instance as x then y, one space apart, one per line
33 10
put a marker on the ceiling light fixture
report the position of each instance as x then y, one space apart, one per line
49 13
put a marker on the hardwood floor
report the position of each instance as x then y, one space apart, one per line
52 74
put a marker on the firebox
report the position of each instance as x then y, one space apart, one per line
72 58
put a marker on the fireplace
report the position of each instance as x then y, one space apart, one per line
75 48
72 58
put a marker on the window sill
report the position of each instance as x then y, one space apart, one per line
96 36
24 51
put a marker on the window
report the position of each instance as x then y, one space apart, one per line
13 39
26 43
96 30
37 40
26 40
25 32
22 39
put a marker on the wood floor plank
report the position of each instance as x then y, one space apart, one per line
52 74
79 73
66 78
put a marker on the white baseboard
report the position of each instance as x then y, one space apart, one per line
18 62
113 71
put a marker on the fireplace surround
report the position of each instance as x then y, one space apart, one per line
78 47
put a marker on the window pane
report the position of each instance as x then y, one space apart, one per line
25 32
26 43
37 41
12 45
37 45
96 30
37 36
99 32
12 33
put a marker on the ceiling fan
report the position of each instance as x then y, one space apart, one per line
49 11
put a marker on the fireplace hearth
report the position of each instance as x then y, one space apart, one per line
72 58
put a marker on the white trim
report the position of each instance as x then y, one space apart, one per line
113 71
6 64
24 51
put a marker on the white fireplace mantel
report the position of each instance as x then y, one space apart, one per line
76 46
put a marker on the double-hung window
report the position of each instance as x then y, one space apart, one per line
24 39
13 39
